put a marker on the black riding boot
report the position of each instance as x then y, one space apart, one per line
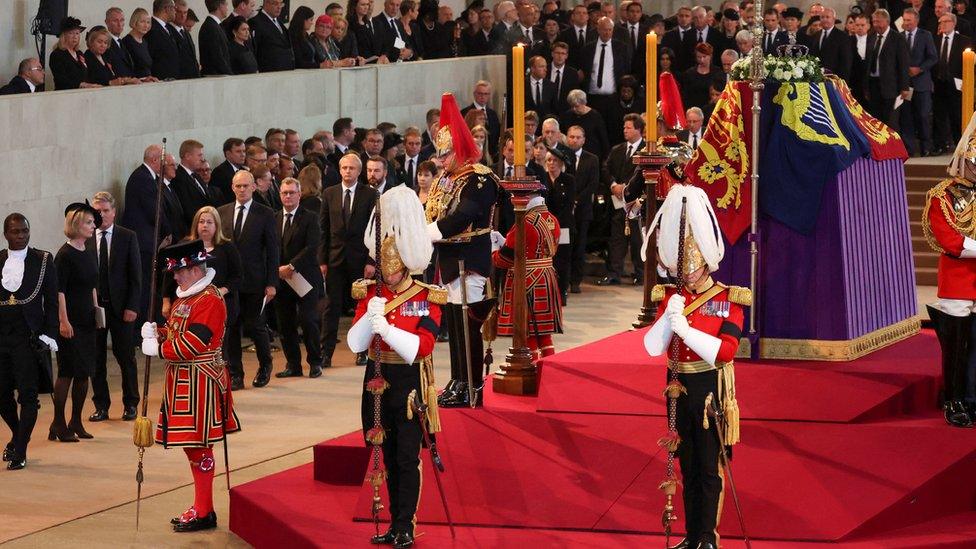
954 336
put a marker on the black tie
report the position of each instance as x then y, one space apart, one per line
538 93
582 37
769 41
823 36
103 294
630 149
700 37
875 65
633 34
287 224
345 205
558 81
410 174
239 222
944 58
599 72
369 26
694 142
508 172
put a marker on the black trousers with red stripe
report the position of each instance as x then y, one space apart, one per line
698 455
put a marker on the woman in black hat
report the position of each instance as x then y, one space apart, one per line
729 28
67 64
77 277
561 201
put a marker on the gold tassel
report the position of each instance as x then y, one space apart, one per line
670 442
375 436
142 432
708 404
429 388
675 389
730 406
669 486
410 400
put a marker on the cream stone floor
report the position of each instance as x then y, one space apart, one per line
84 494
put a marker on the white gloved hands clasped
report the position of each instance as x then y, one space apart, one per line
150 347
676 305
380 325
497 240
376 306
679 325
51 344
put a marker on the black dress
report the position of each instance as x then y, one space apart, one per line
68 71
139 52
77 276
304 53
595 128
694 87
242 60
560 200
99 72
348 47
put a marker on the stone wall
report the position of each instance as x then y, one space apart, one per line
60 147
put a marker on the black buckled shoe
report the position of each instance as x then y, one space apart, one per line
315 370
403 540
195 524
361 359
17 463
129 413
262 378
608 281
458 398
99 415
8 451
384 539
956 415
706 545
683 544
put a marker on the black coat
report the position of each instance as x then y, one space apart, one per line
561 198
304 53
164 50
120 59
617 168
139 53
587 183
365 38
124 269
258 245
189 67
187 189
220 178
893 61
681 48
68 72
214 48
140 211
98 72
779 39
242 60
473 212
621 62
341 242
385 37
15 86
300 244
272 47
544 108
576 47
41 314
568 80
835 53
954 68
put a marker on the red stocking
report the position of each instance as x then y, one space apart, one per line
533 344
545 345
202 467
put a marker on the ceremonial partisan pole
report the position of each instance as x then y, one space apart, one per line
375 435
757 79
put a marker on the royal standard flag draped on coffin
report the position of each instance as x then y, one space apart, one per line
808 137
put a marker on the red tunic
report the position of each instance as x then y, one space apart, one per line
416 312
541 286
710 318
957 276
197 384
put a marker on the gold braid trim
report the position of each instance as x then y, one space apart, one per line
740 295
940 191
435 294
429 387
658 291
730 406
361 287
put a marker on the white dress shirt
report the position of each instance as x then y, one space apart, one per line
13 269
237 211
861 45
609 84
880 46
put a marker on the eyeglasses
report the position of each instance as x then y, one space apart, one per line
288 193
37 69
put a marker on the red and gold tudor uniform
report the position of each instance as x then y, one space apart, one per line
716 310
196 392
541 286
415 308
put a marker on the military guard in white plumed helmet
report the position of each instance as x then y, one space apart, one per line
405 315
949 224
699 328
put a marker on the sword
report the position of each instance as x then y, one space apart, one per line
472 395
223 426
420 408
719 418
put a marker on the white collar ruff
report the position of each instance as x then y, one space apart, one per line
198 286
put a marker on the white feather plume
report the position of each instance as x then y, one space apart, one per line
700 220
403 218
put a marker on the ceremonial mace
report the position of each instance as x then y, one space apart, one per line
757 77
674 389
712 410
420 409
142 430
377 385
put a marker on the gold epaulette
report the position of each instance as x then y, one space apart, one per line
481 169
740 295
361 287
435 294
658 291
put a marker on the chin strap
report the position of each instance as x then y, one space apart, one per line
404 343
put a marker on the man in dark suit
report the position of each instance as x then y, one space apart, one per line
272 46
379 175
605 62
540 92
679 40
617 171
171 201
192 192
577 35
162 43
635 29
116 251
30 283
299 229
388 30
343 257
373 147
887 72
774 36
859 58
343 134
412 156
692 135
189 67
116 55
29 78
943 7
224 172
482 100
214 44
832 46
526 31
947 105
140 214
563 76
916 126
587 173
252 228
484 41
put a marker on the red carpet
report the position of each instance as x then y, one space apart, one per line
589 479
614 376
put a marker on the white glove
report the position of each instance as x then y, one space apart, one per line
376 306
968 248
380 326
149 331
51 344
150 347
676 304
679 325
497 240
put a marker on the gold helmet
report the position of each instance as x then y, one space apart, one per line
702 245
405 245
965 154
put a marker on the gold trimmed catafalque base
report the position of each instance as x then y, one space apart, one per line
834 351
